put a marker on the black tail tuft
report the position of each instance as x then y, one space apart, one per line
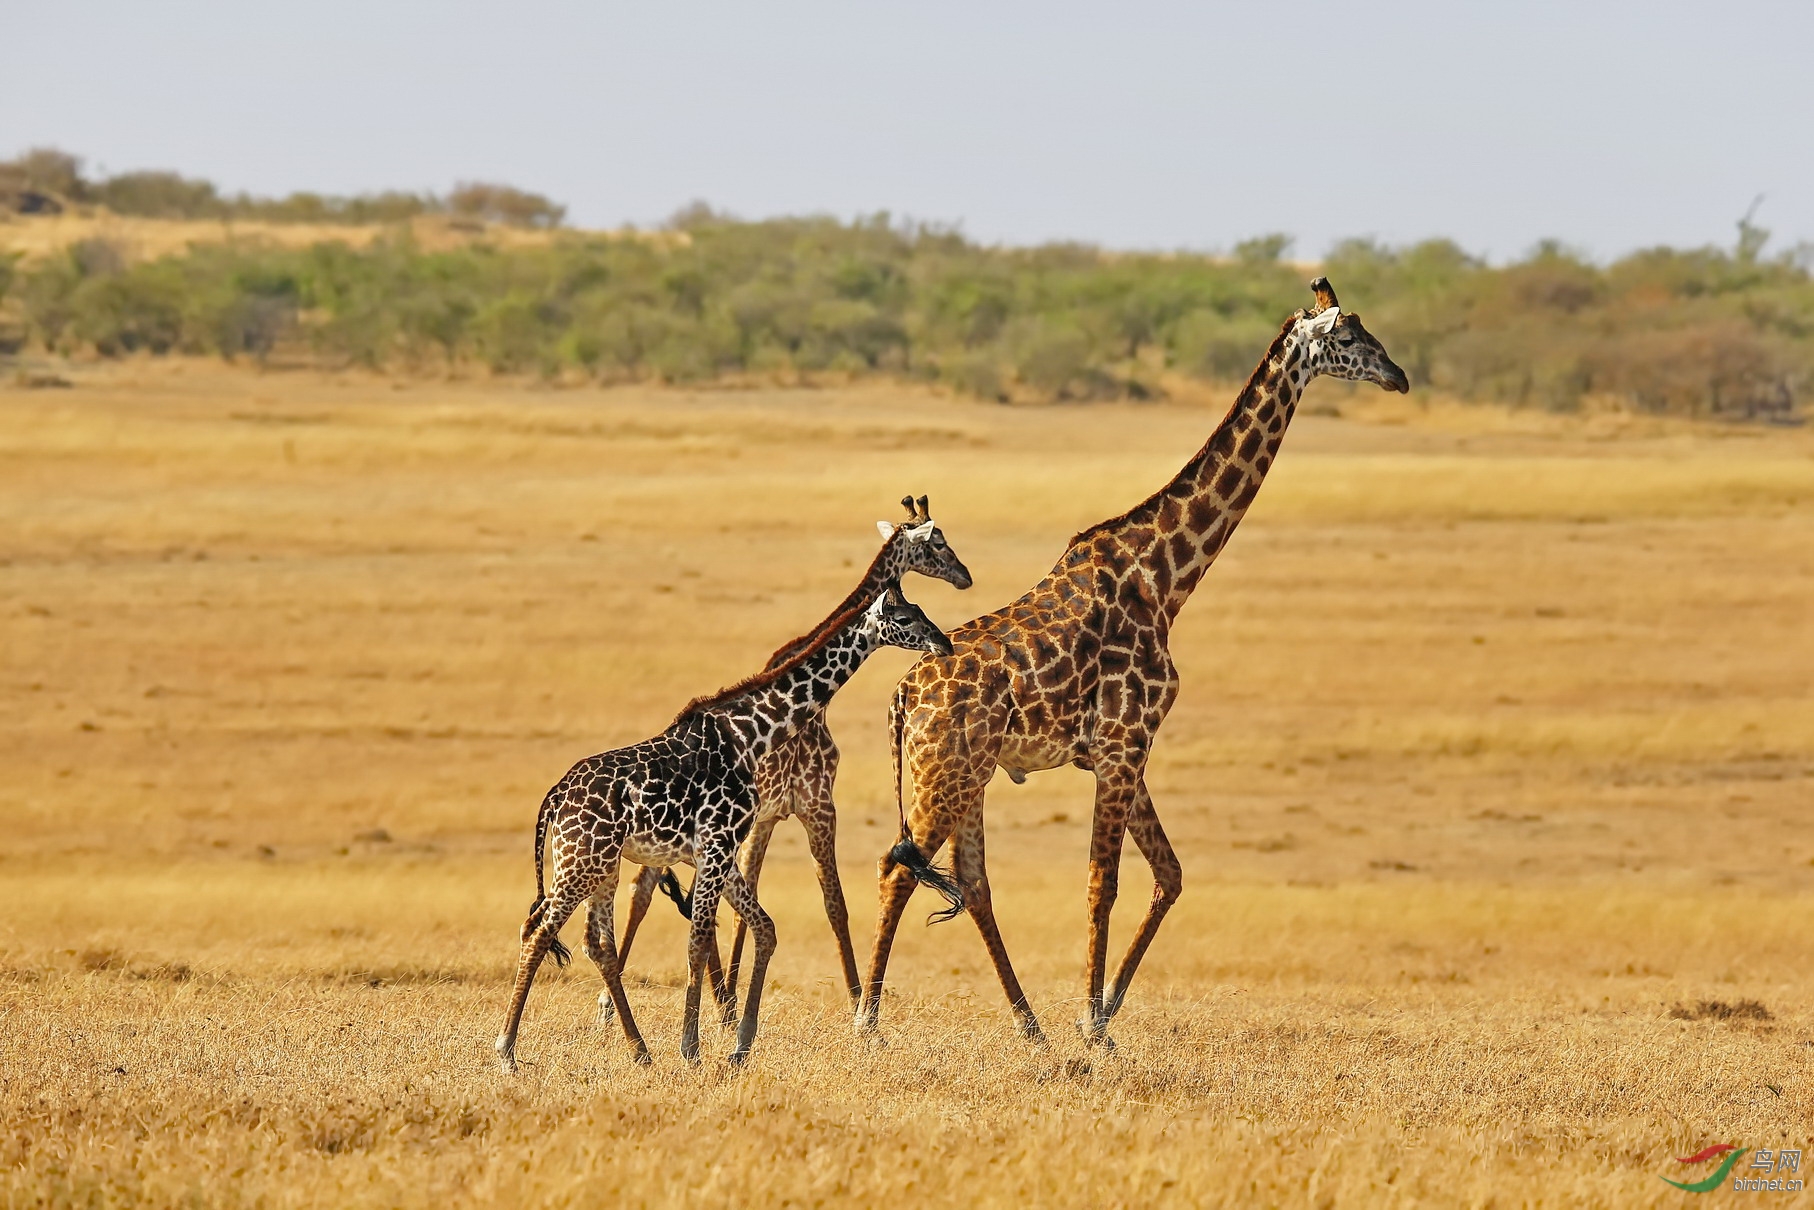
670 886
907 855
537 910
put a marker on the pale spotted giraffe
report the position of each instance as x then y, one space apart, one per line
1078 672
796 778
689 795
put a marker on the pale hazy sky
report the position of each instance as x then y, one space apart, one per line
1134 125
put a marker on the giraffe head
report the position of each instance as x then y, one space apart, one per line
1335 343
894 621
921 546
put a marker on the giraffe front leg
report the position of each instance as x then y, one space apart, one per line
743 899
702 948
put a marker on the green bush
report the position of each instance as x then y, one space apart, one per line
1701 331
159 195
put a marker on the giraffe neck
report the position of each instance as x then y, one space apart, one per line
889 565
771 713
1176 533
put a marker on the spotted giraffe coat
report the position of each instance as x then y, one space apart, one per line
796 778
688 795
1078 670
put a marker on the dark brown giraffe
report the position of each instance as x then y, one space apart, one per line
1078 672
797 776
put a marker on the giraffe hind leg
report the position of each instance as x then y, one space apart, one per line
755 850
1168 884
822 840
972 874
601 947
1117 790
926 835
542 938
642 893
723 988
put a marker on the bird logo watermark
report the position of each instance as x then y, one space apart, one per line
1758 1176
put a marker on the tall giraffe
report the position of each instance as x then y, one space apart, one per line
1078 672
689 795
797 777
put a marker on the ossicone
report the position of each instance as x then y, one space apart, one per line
1325 295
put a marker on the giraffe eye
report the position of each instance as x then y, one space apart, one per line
1344 339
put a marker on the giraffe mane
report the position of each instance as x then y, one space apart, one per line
821 636
1274 352
789 649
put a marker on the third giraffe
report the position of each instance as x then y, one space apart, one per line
1078 672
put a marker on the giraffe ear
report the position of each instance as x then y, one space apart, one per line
885 529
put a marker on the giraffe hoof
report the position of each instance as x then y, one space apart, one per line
1096 1033
738 1058
1030 1032
642 1057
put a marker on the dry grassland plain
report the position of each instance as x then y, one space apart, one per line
1493 763
35 237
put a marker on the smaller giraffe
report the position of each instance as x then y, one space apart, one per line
797 777
689 795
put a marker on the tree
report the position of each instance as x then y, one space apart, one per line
504 204
48 170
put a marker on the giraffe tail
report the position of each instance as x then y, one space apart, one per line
670 886
559 952
906 853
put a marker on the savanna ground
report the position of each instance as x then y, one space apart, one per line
36 237
1491 769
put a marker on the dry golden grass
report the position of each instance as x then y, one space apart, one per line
36 236
1496 744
